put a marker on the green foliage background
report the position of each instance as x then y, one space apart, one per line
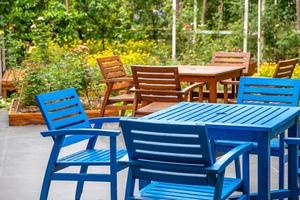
40 35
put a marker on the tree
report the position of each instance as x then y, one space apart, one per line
298 14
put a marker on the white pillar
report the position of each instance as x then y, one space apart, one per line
246 12
259 34
195 20
174 31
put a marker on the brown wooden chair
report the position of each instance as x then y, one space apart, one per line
233 59
285 68
157 88
118 84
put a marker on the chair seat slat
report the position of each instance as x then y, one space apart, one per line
91 157
157 190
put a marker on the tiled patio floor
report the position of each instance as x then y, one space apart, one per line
23 158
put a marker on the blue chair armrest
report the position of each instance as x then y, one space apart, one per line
220 165
292 141
82 131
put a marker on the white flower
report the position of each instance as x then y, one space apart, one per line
33 26
41 18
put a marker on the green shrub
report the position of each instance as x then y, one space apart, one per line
64 69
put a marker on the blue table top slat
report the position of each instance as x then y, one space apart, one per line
237 114
267 111
250 116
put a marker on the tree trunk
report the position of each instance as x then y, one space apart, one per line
68 5
221 10
204 4
178 8
298 14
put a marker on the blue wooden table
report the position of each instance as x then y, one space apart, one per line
241 123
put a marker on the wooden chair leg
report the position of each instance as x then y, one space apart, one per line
225 93
200 94
123 111
105 99
4 93
134 106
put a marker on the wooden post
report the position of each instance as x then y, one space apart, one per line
204 2
174 31
195 20
298 14
259 35
246 10
2 62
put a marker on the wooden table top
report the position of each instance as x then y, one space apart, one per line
194 70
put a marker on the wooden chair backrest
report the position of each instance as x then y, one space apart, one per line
156 84
269 91
285 68
111 67
232 59
167 152
62 109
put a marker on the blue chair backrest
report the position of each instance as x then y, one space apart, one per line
62 109
269 91
167 152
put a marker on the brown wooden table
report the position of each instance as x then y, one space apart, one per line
209 74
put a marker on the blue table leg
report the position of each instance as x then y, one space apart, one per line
263 166
293 164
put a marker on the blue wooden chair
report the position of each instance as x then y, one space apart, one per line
293 166
268 91
68 125
177 161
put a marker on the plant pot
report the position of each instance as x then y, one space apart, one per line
16 118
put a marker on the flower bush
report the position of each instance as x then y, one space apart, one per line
267 69
51 67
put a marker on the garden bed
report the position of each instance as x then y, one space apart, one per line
31 115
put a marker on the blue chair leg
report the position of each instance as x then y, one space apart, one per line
80 184
50 168
113 169
113 187
281 161
46 183
129 186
